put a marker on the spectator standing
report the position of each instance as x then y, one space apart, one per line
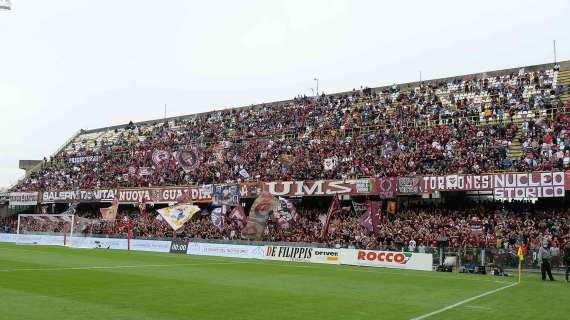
567 258
545 258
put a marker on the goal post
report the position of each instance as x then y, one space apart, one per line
51 229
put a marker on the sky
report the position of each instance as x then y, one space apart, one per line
80 64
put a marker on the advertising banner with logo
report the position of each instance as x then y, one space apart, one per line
503 185
23 198
387 259
179 246
47 240
226 250
88 242
150 245
302 254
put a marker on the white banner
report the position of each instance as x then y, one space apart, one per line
387 259
23 198
47 240
302 254
225 250
88 242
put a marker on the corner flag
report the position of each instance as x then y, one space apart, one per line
520 254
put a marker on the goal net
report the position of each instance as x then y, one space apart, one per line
48 229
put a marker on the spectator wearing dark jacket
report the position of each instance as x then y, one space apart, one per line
567 258
545 257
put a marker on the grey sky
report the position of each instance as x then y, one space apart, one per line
71 64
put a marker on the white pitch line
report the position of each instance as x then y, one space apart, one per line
116 267
463 302
478 307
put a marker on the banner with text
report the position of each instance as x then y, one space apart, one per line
302 254
504 185
387 259
23 198
226 250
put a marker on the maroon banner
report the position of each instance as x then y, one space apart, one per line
504 185
386 187
321 187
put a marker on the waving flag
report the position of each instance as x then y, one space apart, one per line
260 211
188 159
238 215
160 158
177 215
285 214
111 212
335 206
218 217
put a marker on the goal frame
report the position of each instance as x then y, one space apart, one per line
65 231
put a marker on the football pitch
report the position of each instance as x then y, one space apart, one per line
38 282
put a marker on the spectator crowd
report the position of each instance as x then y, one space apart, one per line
461 126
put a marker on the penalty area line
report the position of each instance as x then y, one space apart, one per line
433 313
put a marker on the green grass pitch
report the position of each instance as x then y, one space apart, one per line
39 282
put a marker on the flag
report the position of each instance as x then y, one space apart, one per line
360 208
244 173
142 207
71 209
520 254
260 211
228 195
391 207
218 217
238 215
188 159
335 206
329 164
285 213
366 220
177 215
145 171
111 212
160 157
374 209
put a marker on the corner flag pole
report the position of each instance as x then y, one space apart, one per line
520 255
520 270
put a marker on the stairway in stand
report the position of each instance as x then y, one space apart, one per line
515 149
564 78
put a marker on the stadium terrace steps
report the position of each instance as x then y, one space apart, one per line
564 79
515 149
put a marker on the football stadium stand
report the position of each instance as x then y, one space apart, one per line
474 161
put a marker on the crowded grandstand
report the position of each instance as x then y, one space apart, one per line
284 160
469 162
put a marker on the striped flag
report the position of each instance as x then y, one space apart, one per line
335 206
